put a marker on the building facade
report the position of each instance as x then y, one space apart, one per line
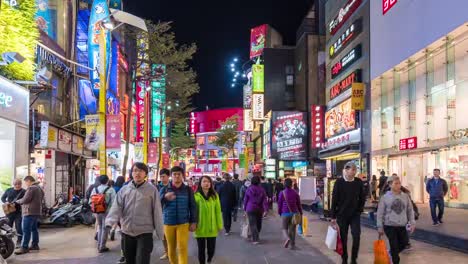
419 72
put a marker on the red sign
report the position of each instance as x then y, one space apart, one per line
345 84
140 111
257 40
152 153
166 161
387 5
193 123
113 132
317 125
343 15
409 143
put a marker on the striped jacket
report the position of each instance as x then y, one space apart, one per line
183 209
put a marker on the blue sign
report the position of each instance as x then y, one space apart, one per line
296 164
45 18
99 12
88 104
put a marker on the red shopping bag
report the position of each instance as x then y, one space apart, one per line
339 245
380 253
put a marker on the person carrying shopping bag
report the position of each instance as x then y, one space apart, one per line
256 207
394 216
289 207
210 219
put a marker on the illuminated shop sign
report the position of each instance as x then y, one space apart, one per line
347 37
346 61
343 15
289 135
14 101
409 143
258 107
257 40
317 125
342 140
248 120
345 84
193 121
387 5
258 78
340 119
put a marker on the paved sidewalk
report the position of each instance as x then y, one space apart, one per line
421 252
76 245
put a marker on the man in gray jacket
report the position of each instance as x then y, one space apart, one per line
395 212
31 207
138 208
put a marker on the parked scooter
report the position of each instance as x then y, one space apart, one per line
7 246
58 214
82 214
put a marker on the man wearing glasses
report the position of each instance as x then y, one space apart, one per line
347 205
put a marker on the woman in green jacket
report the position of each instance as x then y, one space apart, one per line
210 219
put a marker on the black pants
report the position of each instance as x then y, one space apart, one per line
255 224
206 244
355 223
137 250
227 219
16 219
398 239
234 213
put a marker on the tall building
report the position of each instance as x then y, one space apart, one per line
419 74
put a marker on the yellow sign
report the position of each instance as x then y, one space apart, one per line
52 137
357 97
102 103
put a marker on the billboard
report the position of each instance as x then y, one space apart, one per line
289 135
140 110
258 107
258 78
248 120
347 37
99 11
340 119
257 40
247 97
158 101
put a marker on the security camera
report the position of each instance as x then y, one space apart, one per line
43 75
10 57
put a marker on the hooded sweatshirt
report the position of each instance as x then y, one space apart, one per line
255 199
210 219
395 210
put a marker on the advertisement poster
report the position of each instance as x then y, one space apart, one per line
166 161
140 110
77 145
289 139
357 96
44 18
92 134
99 11
52 137
258 107
152 153
138 151
340 119
44 134
113 132
64 140
247 97
257 40
258 78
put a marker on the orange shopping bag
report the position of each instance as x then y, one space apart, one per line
380 253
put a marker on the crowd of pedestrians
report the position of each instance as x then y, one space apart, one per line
171 207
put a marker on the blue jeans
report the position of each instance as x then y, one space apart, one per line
30 227
437 202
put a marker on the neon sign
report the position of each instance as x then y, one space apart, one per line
343 15
348 35
346 61
345 84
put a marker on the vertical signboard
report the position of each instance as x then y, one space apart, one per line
258 78
158 100
93 134
64 140
113 132
99 12
248 120
193 122
247 97
138 151
317 126
140 110
257 40
44 18
152 153
258 107
289 136
357 96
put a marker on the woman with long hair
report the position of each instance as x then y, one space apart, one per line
256 207
210 219
289 204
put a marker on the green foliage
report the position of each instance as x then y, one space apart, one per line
227 135
180 137
19 33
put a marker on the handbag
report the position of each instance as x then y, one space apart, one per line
297 217
339 245
331 238
9 208
380 252
245 229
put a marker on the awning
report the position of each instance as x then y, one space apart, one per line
351 151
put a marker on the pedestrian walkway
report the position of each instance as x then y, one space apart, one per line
76 245
421 252
454 221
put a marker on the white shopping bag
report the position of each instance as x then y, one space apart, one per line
245 230
331 238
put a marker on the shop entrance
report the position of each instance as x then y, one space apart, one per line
413 176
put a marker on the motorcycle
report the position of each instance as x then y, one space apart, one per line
7 246
82 214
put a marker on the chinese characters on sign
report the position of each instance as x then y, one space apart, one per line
387 5
258 107
257 40
289 135
248 120
346 61
409 143
345 84
258 78
343 15
317 125
113 132
140 110
348 35
193 121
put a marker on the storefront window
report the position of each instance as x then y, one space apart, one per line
7 162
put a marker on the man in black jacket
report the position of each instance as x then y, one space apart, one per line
10 196
237 185
347 205
227 197
382 183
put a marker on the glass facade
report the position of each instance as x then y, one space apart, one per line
425 97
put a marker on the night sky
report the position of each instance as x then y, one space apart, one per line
221 30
